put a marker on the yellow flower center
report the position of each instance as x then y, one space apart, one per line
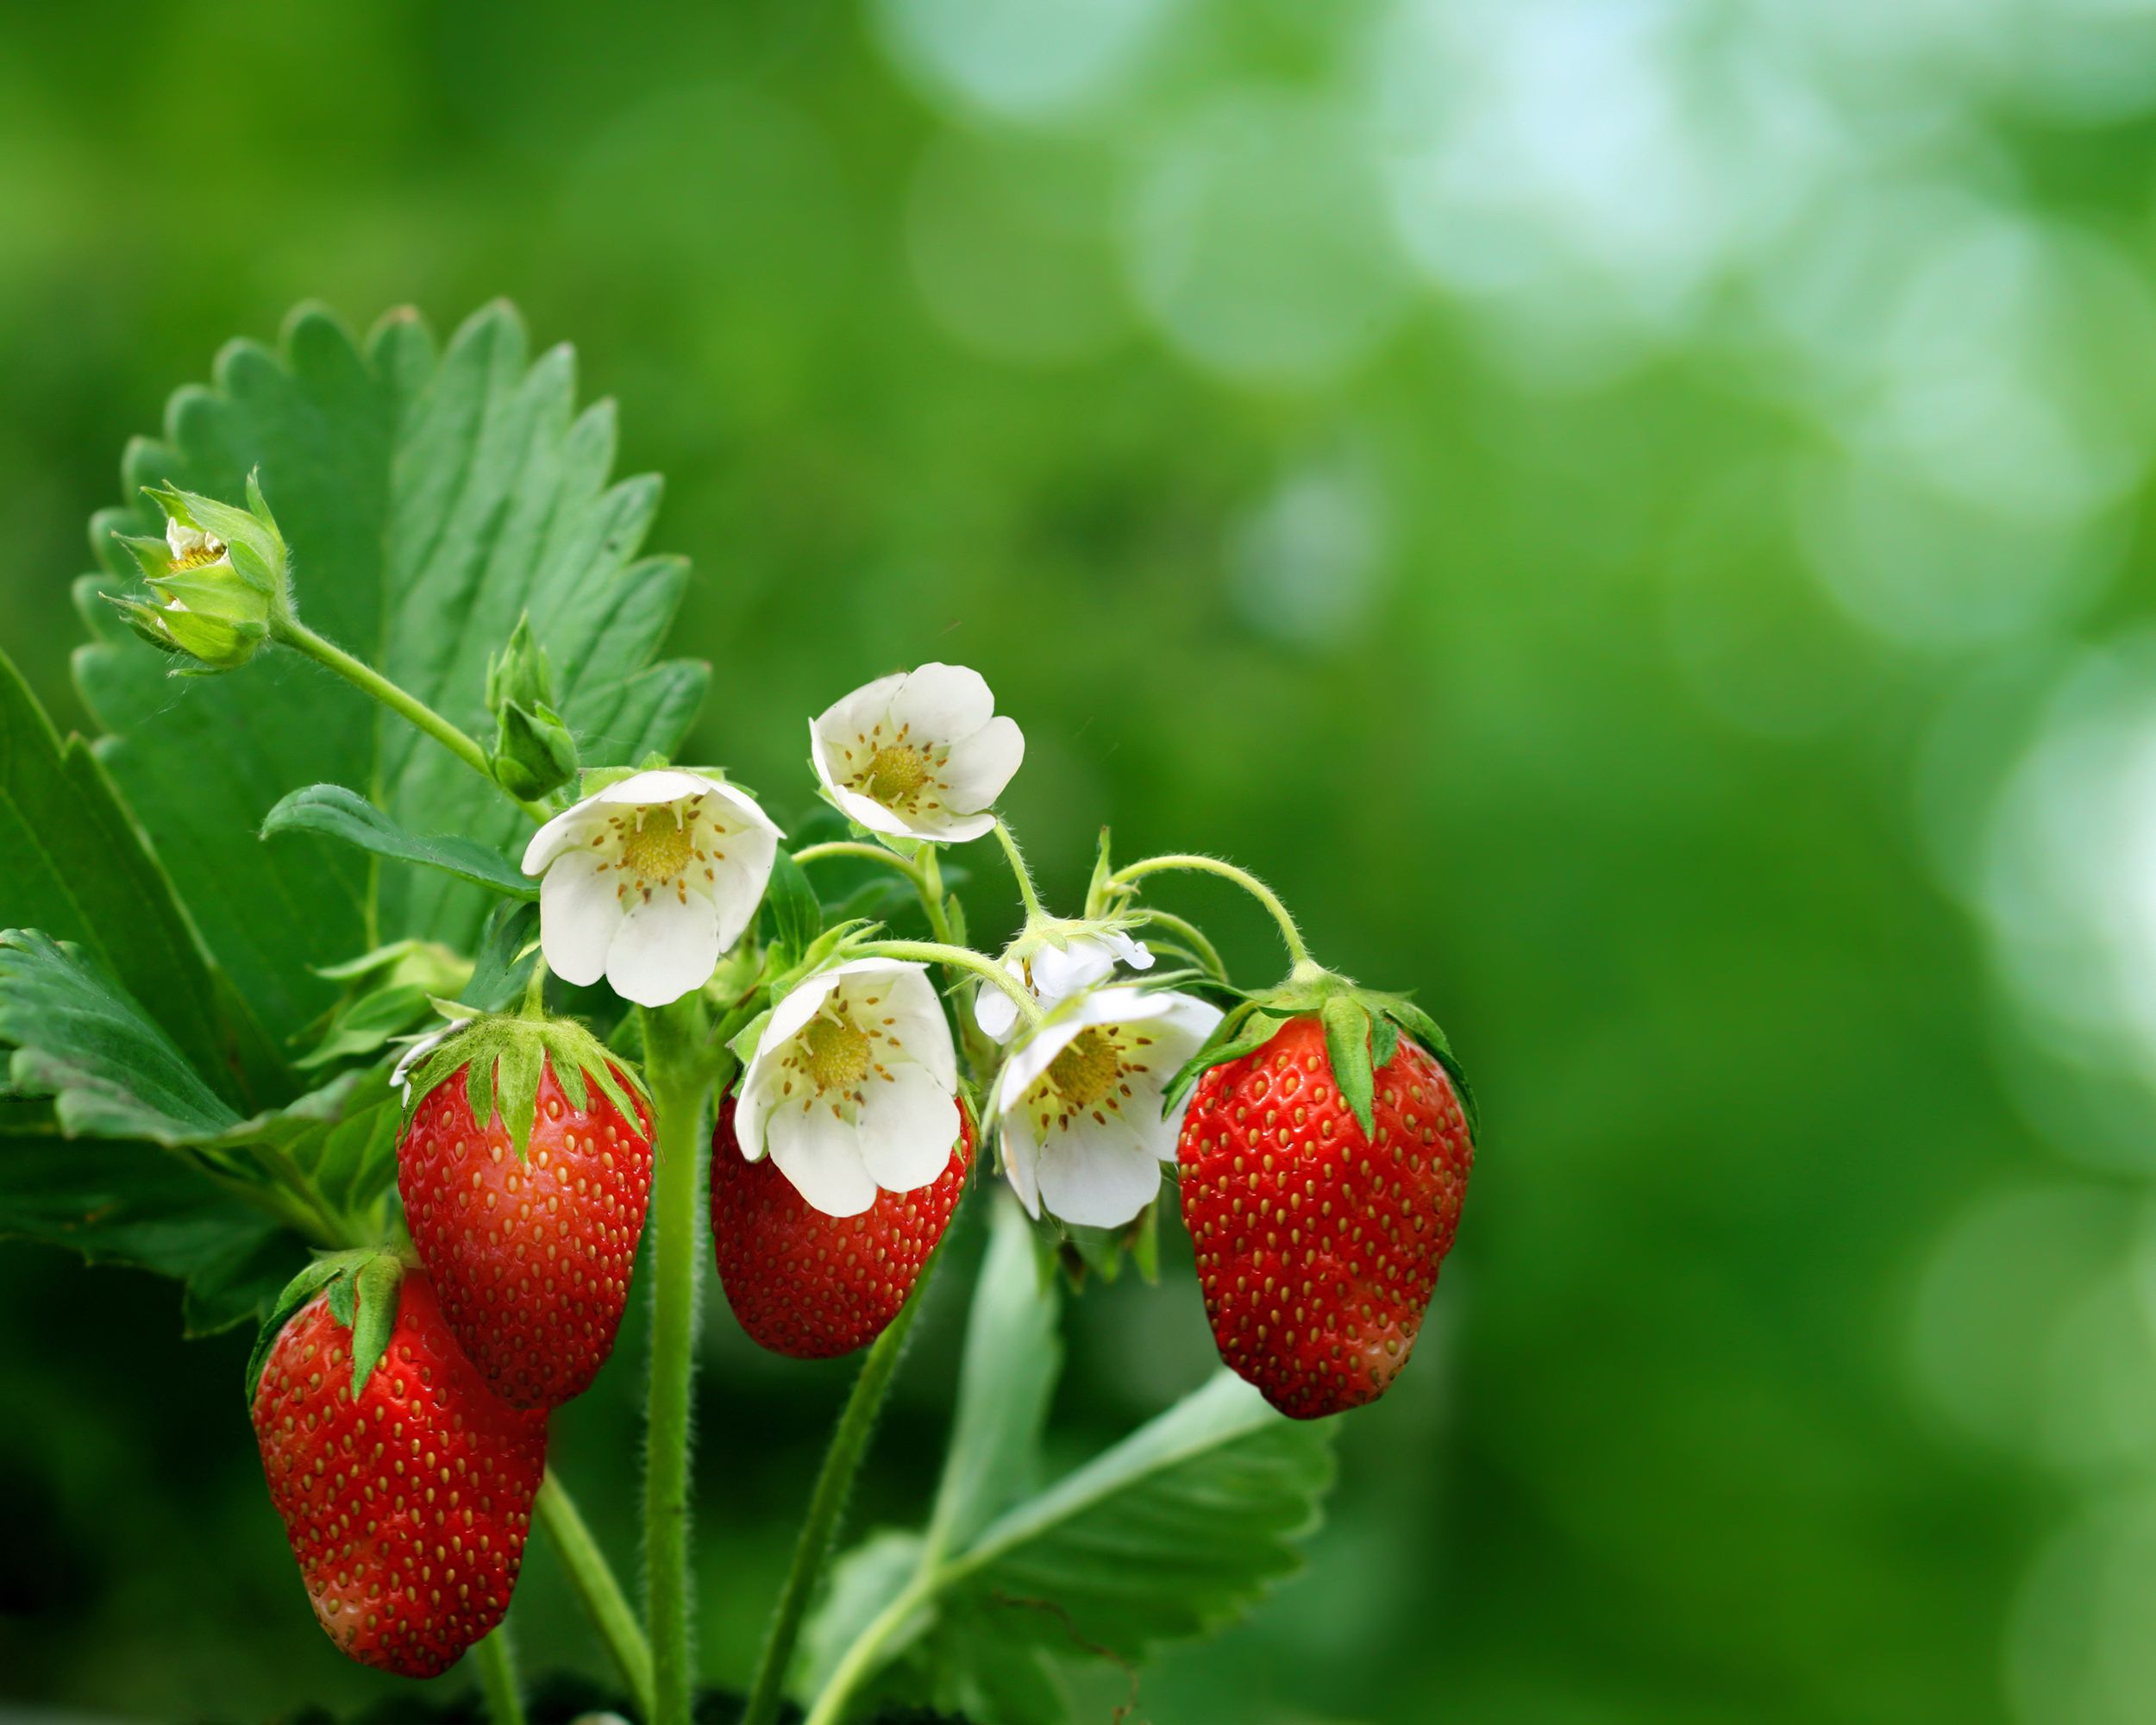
659 849
200 558
1088 1070
896 771
837 1054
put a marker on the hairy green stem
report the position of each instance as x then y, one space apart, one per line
679 1085
406 705
850 1444
497 1678
1297 954
593 1577
1194 936
959 958
1027 894
866 852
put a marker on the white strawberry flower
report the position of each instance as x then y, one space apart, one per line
1080 1102
919 754
1053 974
853 1086
648 881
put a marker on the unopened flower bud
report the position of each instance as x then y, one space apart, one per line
533 751
218 578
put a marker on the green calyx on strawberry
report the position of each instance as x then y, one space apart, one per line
1323 1160
525 1171
404 1483
1361 1028
502 1056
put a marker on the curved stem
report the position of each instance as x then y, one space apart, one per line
849 1443
600 1594
1297 954
295 635
1027 896
867 853
931 887
677 1090
866 1653
1208 954
497 1678
959 958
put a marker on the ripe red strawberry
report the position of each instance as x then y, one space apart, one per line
1317 1246
815 1286
530 1235
407 1507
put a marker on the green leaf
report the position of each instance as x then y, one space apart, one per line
1172 1532
1013 1356
84 1041
73 863
429 501
1347 1046
504 966
335 812
796 915
142 1207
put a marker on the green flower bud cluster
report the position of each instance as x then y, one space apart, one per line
220 578
533 751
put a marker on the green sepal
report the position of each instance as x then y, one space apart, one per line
1243 1030
334 1271
742 1043
1347 1046
374 1298
1097 889
1384 1042
1399 1010
504 965
503 1056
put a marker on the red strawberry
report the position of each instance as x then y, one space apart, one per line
815 1286
408 1507
1318 1247
530 1236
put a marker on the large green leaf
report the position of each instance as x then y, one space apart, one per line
320 1166
1172 1532
429 501
336 812
73 863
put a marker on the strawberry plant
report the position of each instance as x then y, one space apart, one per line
379 974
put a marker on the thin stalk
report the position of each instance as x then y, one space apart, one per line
593 1577
497 1678
1192 936
1027 895
932 891
1297 954
406 705
959 958
861 1658
679 1088
867 853
850 1444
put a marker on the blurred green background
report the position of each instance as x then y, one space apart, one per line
1631 513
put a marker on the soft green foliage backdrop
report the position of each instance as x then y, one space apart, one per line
1630 511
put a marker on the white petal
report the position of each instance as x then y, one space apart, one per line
660 785
1061 972
908 1125
995 1012
821 1155
1021 1161
664 948
856 715
947 829
578 916
735 811
1099 1177
738 881
1031 1057
797 1008
942 703
568 830
1134 953
981 765
867 810
919 1029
